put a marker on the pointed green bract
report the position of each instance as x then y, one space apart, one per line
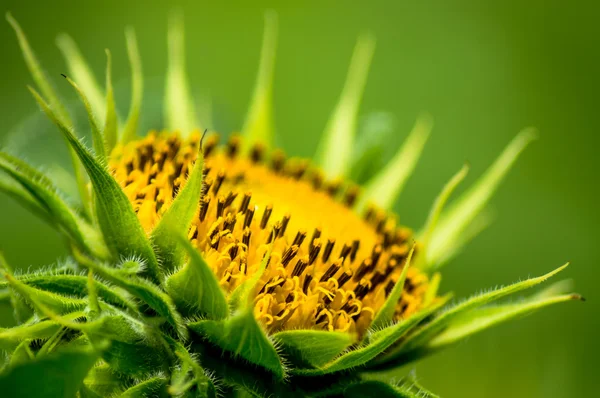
259 124
134 348
179 107
76 285
22 354
57 303
137 87
447 317
60 374
378 342
111 123
152 387
242 336
100 382
177 219
11 337
93 304
97 139
37 73
46 196
379 389
481 222
181 382
242 296
334 153
484 318
43 83
141 288
16 191
461 213
314 348
81 73
385 316
372 145
436 210
119 223
195 288
385 187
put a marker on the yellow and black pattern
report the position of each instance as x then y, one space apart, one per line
329 268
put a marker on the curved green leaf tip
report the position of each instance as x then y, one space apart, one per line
179 106
385 187
259 126
97 138
44 85
178 218
111 122
242 336
82 73
437 209
454 221
334 153
137 87
385 315
446 318
312 347
119 223
195 287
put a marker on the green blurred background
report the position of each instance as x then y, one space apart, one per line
483 70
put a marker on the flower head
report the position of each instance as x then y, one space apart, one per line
207 261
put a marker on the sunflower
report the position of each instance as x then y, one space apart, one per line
199 269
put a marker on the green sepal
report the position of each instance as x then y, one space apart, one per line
372 146
242 297
152 387
181 382
102 381
425 334
43 83
259 123
380 389
47 197
137 87
194 287
22 354
335 148
313 348
489 316
141 288
385 315
177 220
179 107
97 139
448 236
55 302
11 337
434 215
59 374
242 336
375 344
111 121
119 224
81 72
67 284
385 187
130 346
20 195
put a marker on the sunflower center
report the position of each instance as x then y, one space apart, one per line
329 268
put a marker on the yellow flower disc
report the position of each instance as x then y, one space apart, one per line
329 268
